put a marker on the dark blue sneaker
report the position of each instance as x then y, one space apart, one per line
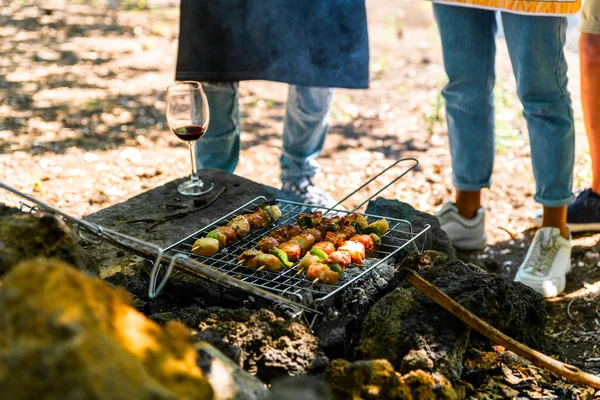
583 215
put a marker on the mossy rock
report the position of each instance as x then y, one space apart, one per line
377 380
24 236
69 336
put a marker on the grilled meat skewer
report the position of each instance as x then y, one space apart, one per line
239 226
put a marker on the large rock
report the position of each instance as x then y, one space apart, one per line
405 321
65 335
511 307
377 380
24 236
271 347
397 325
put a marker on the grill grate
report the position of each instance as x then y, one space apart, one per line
287 282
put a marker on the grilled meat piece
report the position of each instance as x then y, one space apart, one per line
339 257
305 240
336 238
318 235
348 231
229 233
293 250
240 225
323 273
270 262
250 258
327 247
355 249
329 224
307 261
366 240
266 219
255 220
268 243
315 270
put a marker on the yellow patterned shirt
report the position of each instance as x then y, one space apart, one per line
539 7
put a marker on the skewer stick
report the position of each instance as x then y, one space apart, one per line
194 248
300 271
315 281
239 262
261 268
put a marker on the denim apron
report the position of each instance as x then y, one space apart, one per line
300 42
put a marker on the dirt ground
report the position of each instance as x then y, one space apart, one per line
82 127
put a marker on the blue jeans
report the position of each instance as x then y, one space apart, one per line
535 45
304 132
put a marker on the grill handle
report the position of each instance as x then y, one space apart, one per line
415 163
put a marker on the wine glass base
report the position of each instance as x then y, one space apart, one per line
195 188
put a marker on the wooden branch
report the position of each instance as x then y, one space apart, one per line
178 215
539 359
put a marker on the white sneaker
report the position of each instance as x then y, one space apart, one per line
547 263
465 234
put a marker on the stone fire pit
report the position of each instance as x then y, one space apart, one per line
385 341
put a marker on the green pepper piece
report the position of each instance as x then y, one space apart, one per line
376 239
372 229
215 235
356 226
336 268
318 253
282 257
333 227
265 208
305 222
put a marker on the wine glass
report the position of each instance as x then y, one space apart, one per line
188 117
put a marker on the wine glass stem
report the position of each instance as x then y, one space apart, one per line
194 177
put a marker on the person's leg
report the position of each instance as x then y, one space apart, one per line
584 213
305 129
535 45
219 148
469 54
589 56
304 133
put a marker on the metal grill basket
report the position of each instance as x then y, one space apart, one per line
288 282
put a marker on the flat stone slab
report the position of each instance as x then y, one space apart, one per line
165 201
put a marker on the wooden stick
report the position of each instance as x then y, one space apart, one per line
300 271
567 371
316 280
261 268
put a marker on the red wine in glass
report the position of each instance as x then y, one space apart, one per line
188 117
188 133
